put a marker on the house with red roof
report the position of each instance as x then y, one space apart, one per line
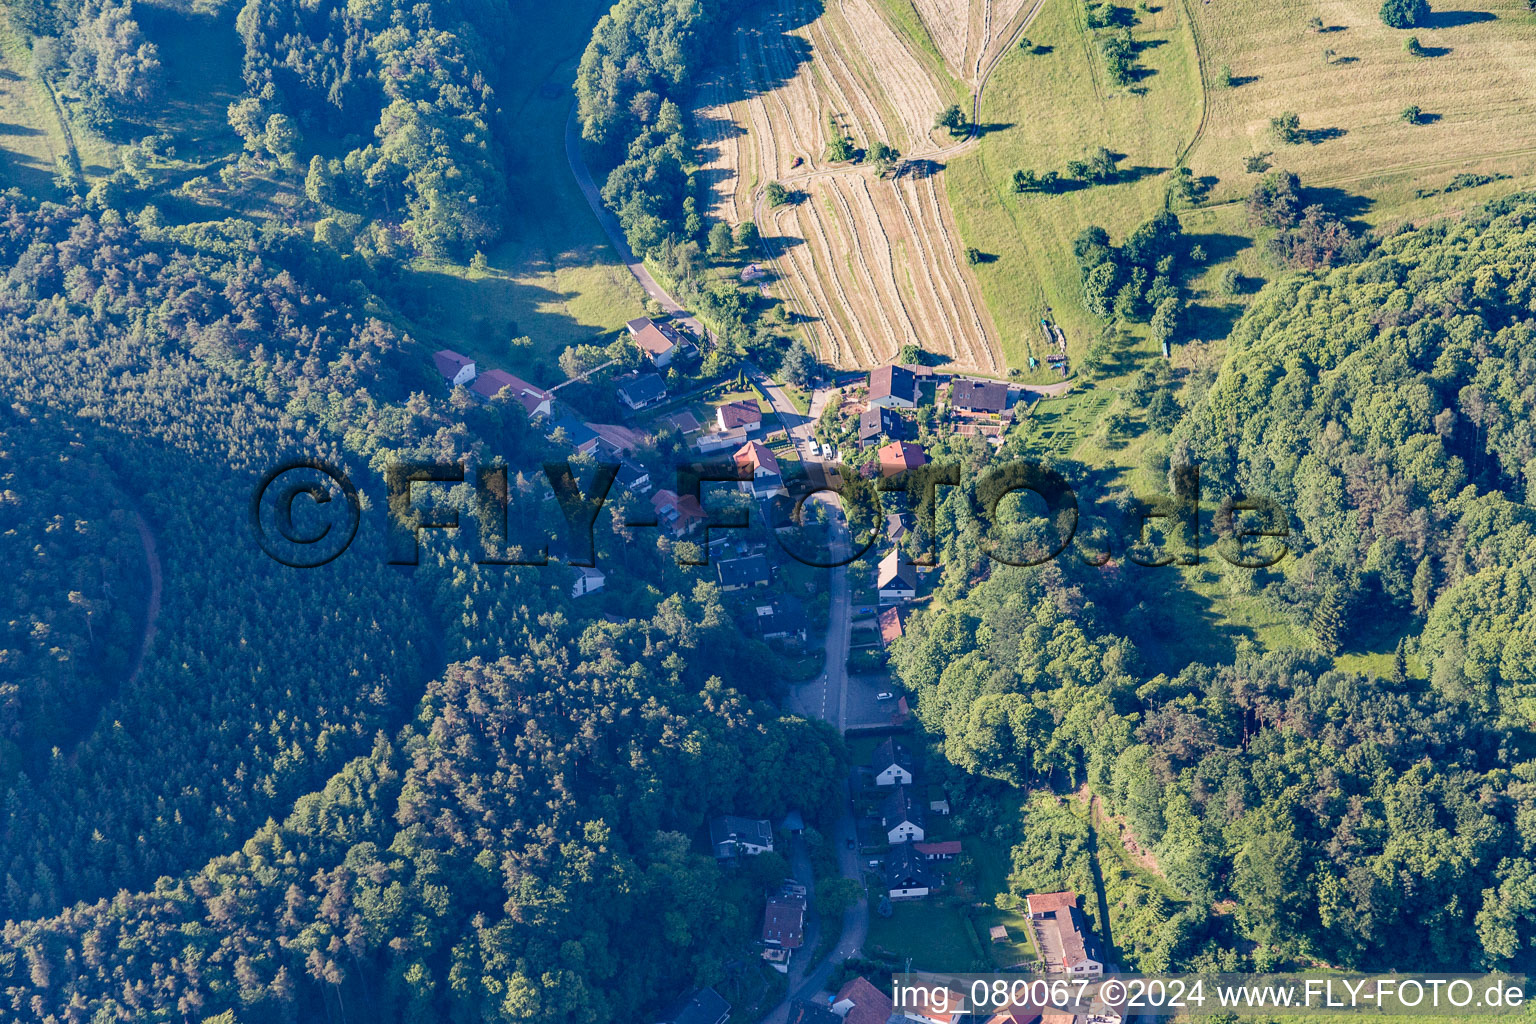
536 402
455 368
859 1002
767 479
679 516
659 341
900 456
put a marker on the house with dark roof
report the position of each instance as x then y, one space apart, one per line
901 816
981 397
633 477
907 875
706 1006
659 341
892 387
745 414
580 436
455 368
589 580
898 525
859 1002
741 573
878 422
731 836
536 402
1057 912
900 456
892 763
782 619
896 579
641 390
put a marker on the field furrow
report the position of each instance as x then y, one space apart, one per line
924 259
978 353
882 260
833 266
860 252
891 68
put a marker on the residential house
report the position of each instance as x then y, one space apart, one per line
803 1011
784 916
456 369
890 626
702 1007
898 525
580 436
746 415
900 456
876 422
978 397
782 619
896 579
642 390
617 440
678 515
714 442
1058 912
633 477
741 573
892 763
938 800
902 816
536 402
859 1002
892 387
907 875
731 836
938 851
588 580
659 341
767 479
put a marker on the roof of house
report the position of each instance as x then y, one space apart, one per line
740 414
904 866
784 919
877 421
900 805
578 433
935 1003
1017 1015
756 455
978 395
656 339
870 1005
898 525
895 573
640 388
899 456
949 848
685 508
783 616
743 572
889 752
803 1011
706 1006
449 362
730 827
620 439
492 382
1050 902
632 475
892 381
890 626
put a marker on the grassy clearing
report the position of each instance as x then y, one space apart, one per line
1050 108
936 935
1059 425
554 278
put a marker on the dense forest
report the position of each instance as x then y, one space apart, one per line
1349 820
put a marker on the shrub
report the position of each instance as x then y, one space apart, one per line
1412 114
1404 13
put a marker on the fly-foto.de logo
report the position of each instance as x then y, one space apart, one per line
306 512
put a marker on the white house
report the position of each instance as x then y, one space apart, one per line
767 479
892 764
732 836
896 580
455 368
902 816
589 580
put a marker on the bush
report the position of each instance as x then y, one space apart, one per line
1412 114
776 194
1412 47
1404 13
1287 127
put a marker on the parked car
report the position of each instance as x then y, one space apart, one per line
884 695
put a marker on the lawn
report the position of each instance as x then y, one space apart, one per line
936 936
31 137
1047 109
554 278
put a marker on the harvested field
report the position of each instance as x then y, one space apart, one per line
969 33
866 264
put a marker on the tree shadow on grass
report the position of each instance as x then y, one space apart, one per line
1317 136
1454 19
